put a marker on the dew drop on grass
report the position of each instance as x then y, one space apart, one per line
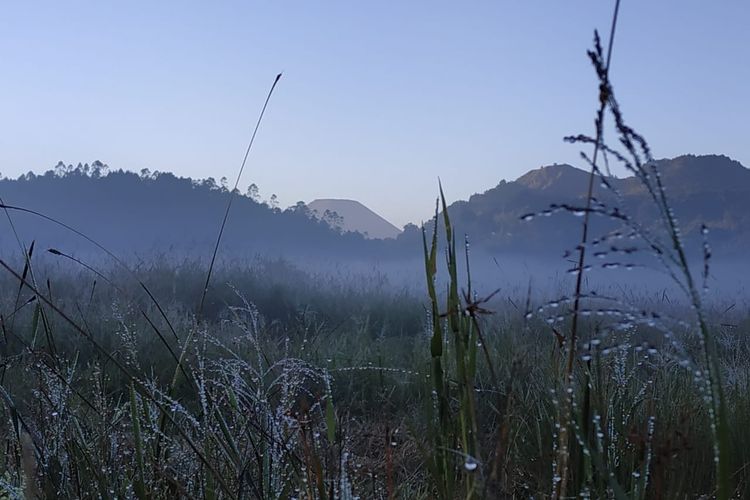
470 464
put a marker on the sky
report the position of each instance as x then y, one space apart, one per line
378 99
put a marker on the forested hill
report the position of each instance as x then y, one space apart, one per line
713 190
134 214
160 213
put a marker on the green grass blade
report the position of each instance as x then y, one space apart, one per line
140 481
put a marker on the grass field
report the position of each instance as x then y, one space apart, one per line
326 390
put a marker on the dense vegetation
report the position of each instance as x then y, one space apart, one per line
159 212
711 190
324 386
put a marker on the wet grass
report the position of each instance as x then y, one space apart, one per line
302 406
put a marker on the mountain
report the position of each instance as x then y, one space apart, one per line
712 190
559 179
353 216
161 214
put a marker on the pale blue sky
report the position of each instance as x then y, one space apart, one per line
378 98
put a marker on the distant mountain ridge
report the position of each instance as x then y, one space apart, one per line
711 189
159 213
134 214
354 216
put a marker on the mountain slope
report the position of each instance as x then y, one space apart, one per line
712 190
355 217
145 214
163 214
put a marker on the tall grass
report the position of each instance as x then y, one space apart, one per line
452 432
665 244
303 406
560 477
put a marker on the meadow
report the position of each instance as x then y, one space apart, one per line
325 389
269 381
